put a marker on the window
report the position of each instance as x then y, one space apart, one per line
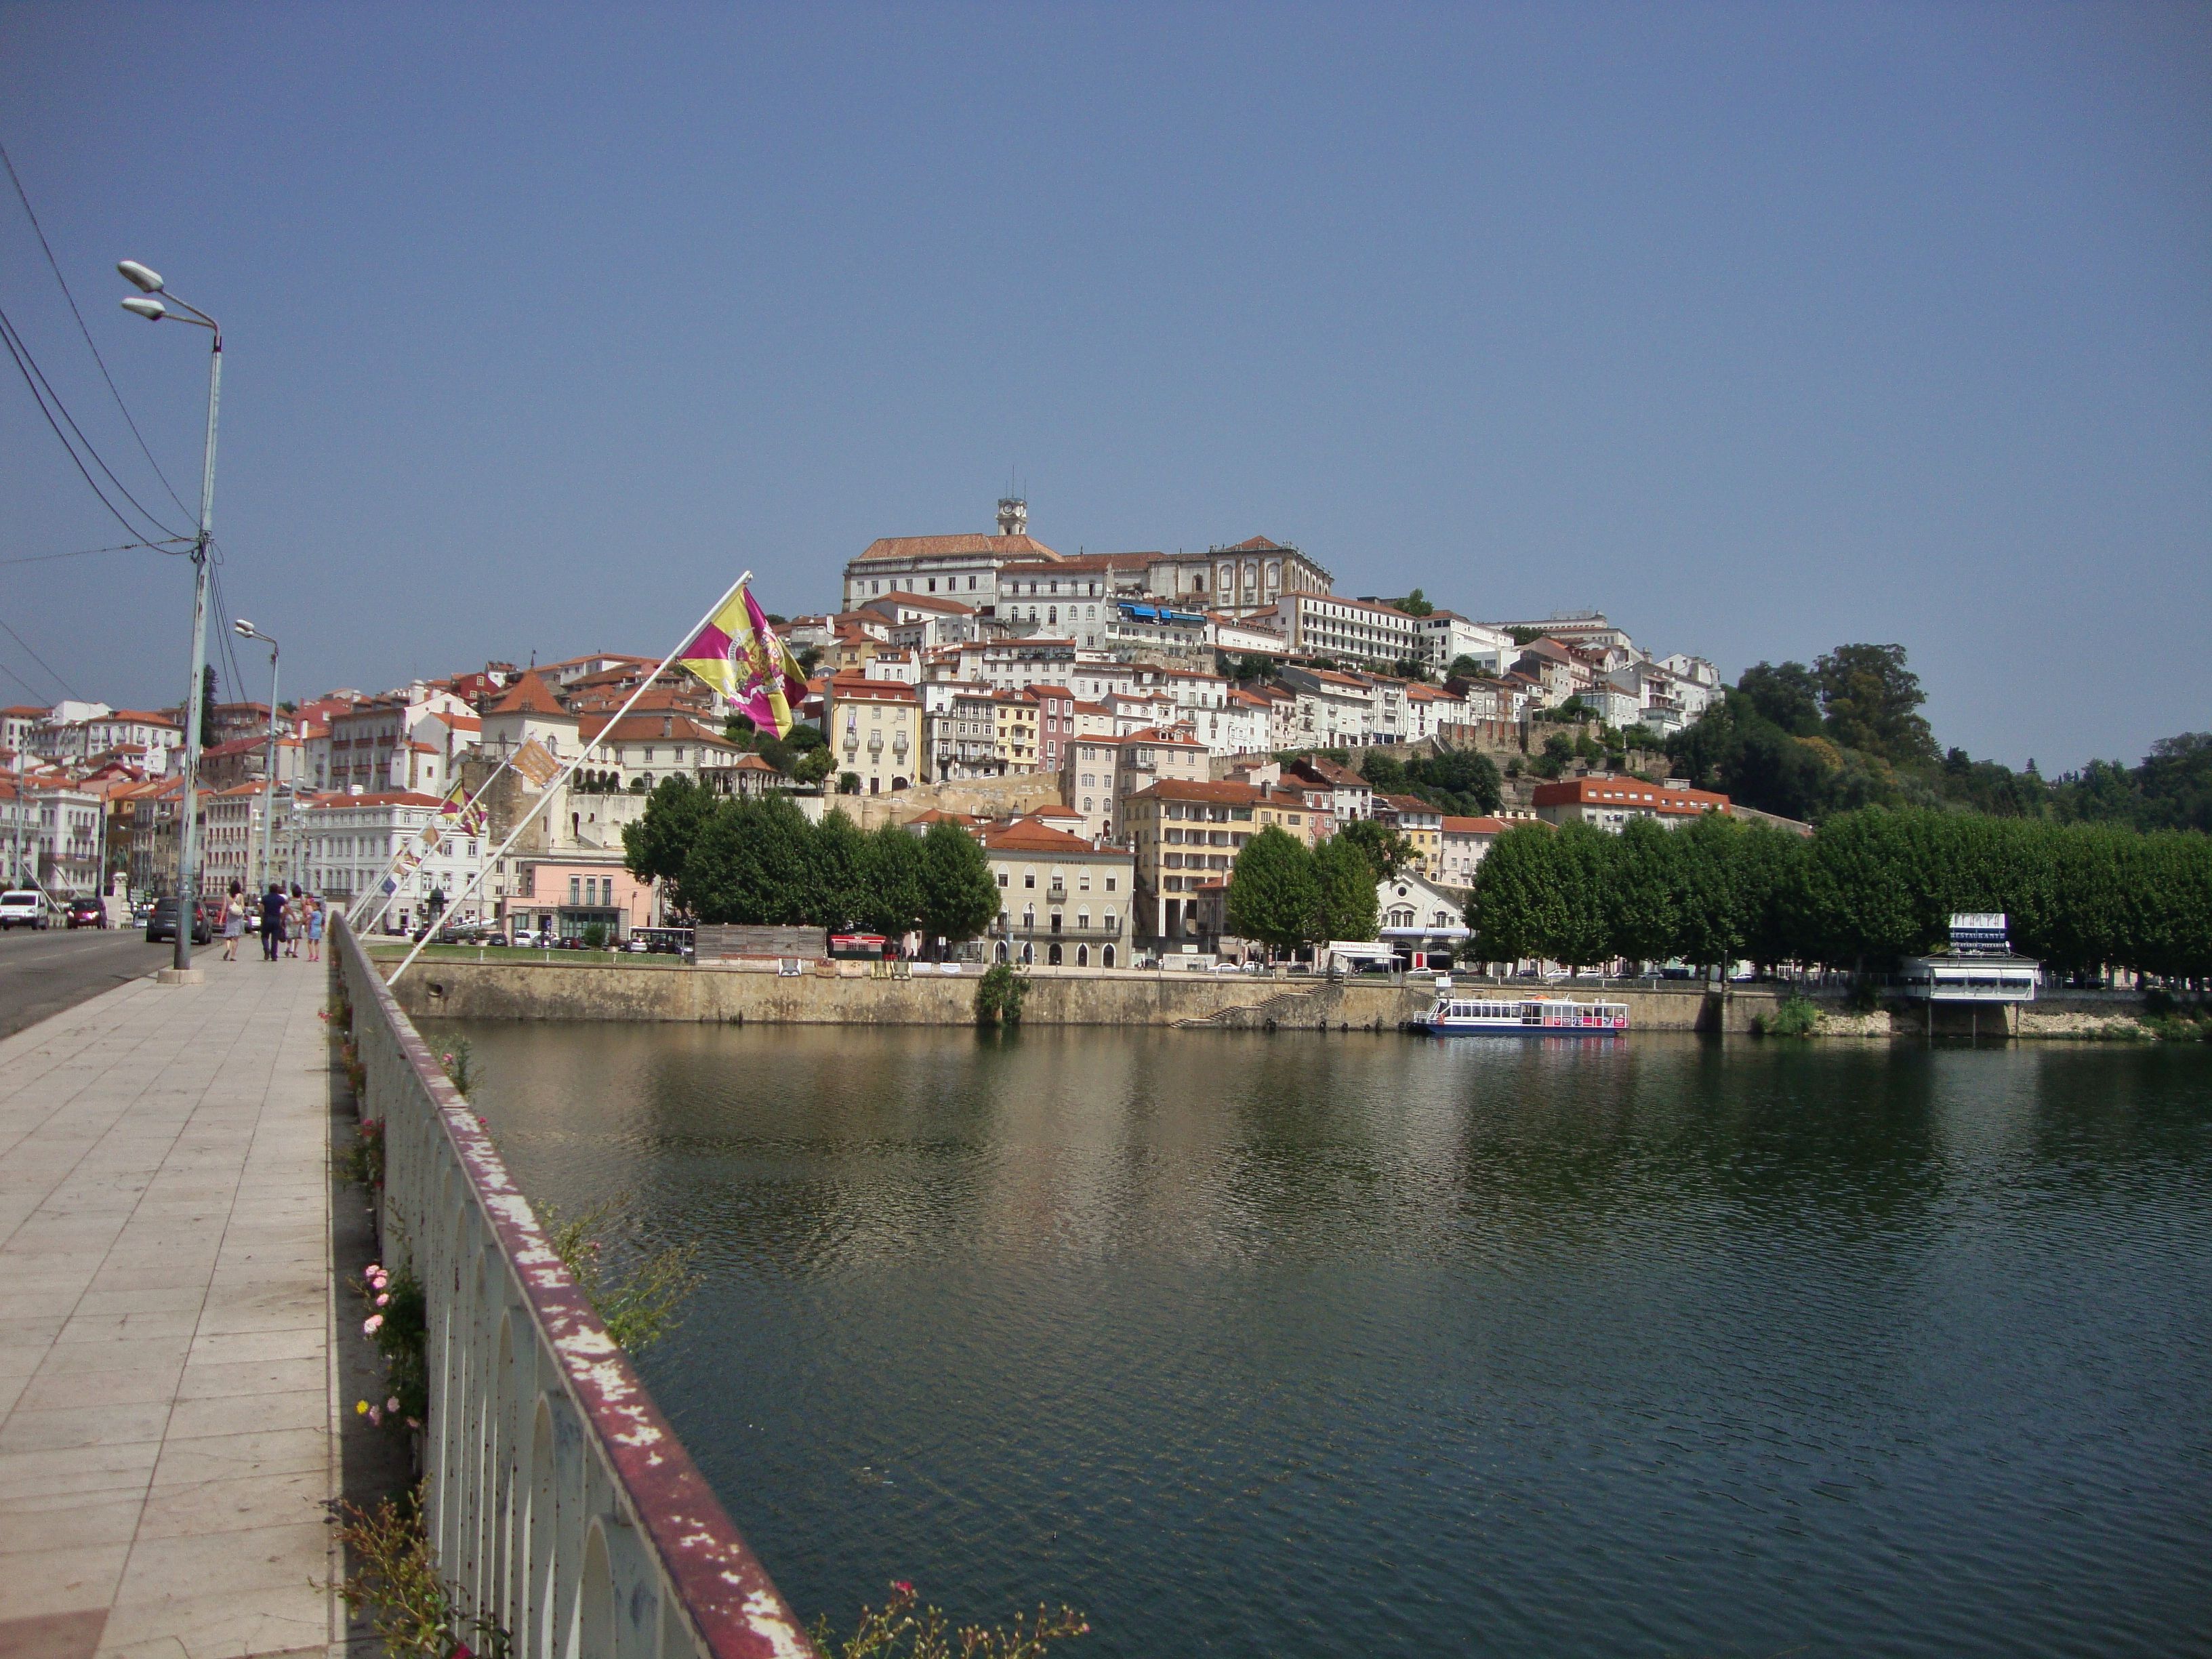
1109 884
574 881
1029 878
1002 879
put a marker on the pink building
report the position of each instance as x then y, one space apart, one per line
560 898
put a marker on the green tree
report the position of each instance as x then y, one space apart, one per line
1386 850
892 881
1460 781
1273 891
1382 772
958 898
1642 916
1581 865
656 845
1872 702
1415 603
1785 694
839 890
751 862
1510 910
1709 859
1344 884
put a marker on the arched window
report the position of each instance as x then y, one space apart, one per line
1083 956
1106 957
1055 958
1029 955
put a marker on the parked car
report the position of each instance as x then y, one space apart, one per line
20 907
86 913
161 922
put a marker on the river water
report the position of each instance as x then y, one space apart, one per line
1327 1345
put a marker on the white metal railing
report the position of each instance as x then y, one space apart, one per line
560 1502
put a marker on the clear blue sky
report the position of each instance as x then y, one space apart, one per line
1759 327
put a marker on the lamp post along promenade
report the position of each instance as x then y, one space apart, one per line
143 304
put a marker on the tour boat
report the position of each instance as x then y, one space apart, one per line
1458 1013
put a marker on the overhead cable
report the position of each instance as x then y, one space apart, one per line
35 378
54 265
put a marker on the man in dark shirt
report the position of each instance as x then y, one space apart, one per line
272 920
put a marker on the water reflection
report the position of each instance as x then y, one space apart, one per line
1305 1344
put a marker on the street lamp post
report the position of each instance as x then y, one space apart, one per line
247 630
143 304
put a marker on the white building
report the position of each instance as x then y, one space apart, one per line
347 840
1355 630
1446 636
1334 711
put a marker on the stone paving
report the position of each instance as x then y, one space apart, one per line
169 1440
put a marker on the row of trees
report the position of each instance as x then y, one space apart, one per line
1847 732
1287 894
1868 888
760 862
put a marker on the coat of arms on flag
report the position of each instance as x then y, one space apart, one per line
739 655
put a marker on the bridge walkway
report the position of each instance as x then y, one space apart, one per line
167 1433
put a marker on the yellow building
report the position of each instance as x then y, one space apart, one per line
874 728
1421 825
1015 729
1185 833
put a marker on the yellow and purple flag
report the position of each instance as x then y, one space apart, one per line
738 654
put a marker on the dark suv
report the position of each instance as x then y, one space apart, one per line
162 923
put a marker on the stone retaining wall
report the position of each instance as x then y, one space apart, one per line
559 990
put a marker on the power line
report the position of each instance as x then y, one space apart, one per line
87 552
39 230
20 680
70 690
23 352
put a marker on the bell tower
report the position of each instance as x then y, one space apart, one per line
1013 516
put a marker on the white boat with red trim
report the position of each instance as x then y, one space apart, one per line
1461 1013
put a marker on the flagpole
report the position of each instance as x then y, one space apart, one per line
582 754
376 888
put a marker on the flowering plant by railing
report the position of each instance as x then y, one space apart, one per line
363 1161
458 1064
396 1322
900 1629
412 1608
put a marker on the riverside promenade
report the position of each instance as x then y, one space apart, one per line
169 1440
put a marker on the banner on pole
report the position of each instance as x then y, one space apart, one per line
738 654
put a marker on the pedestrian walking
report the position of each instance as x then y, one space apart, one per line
272 920
296 919
234 922
314 930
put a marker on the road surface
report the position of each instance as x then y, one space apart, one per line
43 973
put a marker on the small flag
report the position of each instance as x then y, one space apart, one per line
738 654
535 763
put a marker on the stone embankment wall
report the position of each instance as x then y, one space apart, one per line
2080 1017
558 990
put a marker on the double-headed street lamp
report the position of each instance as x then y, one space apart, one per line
247 630
143 304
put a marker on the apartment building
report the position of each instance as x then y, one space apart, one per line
1608 803
959 729
1464 844
1063 901
1352 630
1421 825
347 840
1185 835
874 729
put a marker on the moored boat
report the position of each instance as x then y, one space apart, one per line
1457 1013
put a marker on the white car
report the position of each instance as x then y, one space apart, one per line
22 907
